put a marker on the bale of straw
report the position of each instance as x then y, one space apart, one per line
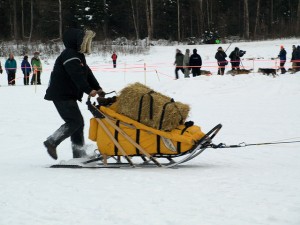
151 108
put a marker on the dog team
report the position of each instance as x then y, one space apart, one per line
191 64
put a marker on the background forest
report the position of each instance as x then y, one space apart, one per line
30 20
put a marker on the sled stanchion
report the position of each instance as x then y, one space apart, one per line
115 141
132 142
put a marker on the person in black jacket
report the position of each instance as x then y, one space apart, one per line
282 57
195 63
70 78
235 58
222 62
297 58
178 63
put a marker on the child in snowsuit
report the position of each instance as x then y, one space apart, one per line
114 59
26 69
37 69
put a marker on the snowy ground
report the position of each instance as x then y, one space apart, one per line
254 185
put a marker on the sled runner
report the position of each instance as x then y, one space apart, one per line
125 143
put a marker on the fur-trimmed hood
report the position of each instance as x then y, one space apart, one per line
78 40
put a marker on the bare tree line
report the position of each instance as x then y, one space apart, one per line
156 19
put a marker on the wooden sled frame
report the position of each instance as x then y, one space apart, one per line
148 159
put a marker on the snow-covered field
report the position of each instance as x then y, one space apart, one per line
244 186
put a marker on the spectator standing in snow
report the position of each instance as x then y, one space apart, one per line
70 78
114 59
294 58
36 68
186 63
222 62
11 68
26 69
195 63
235 58
1 70
178 63
282 57
297 58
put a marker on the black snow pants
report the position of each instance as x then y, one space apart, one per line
73 127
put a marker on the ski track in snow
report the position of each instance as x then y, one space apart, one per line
253 185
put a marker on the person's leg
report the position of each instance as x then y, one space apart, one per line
176 73
198 72
9 78
219 69
73 127
282 67
39 77
27 78
186 72
223 70
182 70
32 79
284 70
232 66
24 79
194 72
13 78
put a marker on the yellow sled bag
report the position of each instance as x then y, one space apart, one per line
153 141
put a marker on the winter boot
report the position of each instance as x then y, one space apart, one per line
79 154
51 149
78 151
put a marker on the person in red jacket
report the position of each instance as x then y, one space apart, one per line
114 58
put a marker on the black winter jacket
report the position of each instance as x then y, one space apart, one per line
71 76
195 60
221 57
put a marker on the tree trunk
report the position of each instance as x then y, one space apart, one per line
151 17
271 15
60 19
31 20
135 21
246 20
22 18
15 22
208 16
200 18
149 25
178 19
257 18
298 19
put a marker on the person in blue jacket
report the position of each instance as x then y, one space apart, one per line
282 57
11 68
26 69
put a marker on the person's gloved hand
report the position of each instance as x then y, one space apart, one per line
93 93
101 93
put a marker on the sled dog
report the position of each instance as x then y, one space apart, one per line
237 72
267 71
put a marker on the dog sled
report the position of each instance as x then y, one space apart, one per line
123 142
